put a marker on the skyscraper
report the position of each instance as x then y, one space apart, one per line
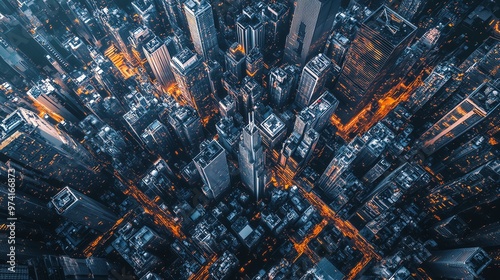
187 126
250 30
311 24
36 144
211 162
192 78
275 17
468 113
312 81
81 209
462 263
470 190
409 8
252 160
255 64
55 100
282 81
371 60
200 20
159 53
235 61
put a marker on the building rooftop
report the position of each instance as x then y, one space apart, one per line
211 151
272 125
390 25
64 199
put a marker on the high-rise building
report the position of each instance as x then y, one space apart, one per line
187 126
211 162
462 263
158 139
339 164
312 81
473 189
275 17
192 79
174 13
33 142
201 25
468 113
311 25
250 94
53 99
316 115
431 85
280 87
235 61
255 64
17 61
252 160
273 131
371 60
250 30
409 8
81 209
159 54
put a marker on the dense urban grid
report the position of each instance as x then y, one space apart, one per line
245 139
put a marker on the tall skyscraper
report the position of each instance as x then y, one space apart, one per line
81 209
409 8
174 13
311 25
235 61
252 160
255 64
201 24
250 30
371 60
51 97
159 53
275 17
187 126
473 189
468 113
312 81
282 81
192 79
33 142
462 263
211 162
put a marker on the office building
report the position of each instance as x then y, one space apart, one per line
187 126
313 79
408 9
55 100
370 62
252 160
339 164
462 263
311 24
276 22
255 64
235 61
250 30
282 81
229 135
201 25
317 115
81 209
33 142
159 54
273 131
468 113
473 189
192 79
158 139
211 162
